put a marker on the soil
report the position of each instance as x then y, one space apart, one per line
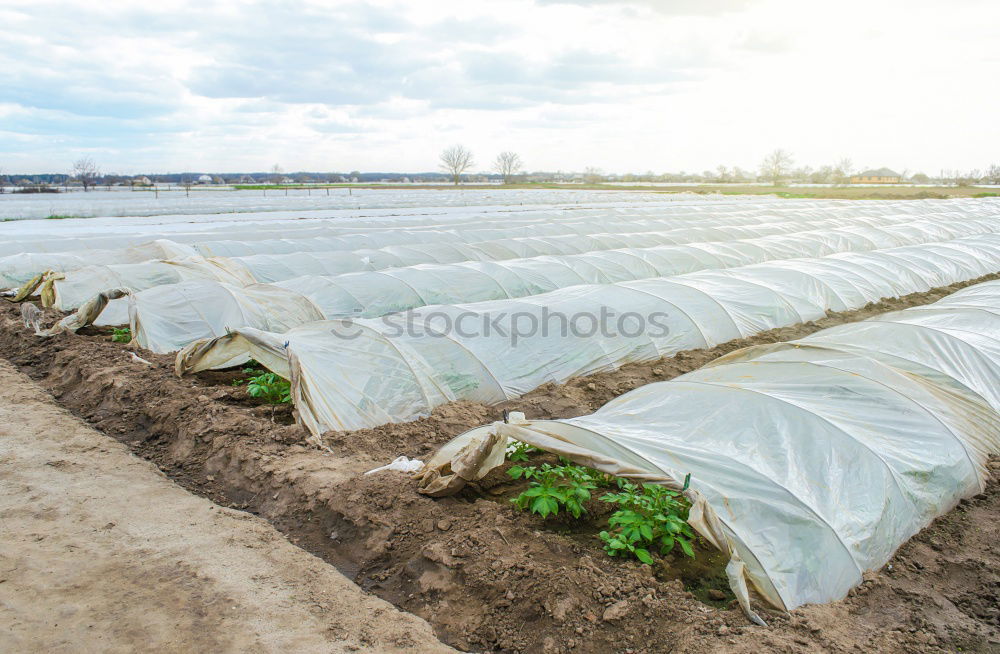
485 576
100 552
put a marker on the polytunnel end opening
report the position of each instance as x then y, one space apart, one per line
478 465
232 385
246 370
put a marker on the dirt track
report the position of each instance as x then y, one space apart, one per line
486 577
100 552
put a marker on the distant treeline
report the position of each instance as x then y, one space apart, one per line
722 174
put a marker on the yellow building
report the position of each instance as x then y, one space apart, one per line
876 176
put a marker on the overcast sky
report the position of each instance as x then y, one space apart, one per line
381 85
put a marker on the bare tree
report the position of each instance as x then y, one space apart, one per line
776 166
993 174
456 160
740 175
842 171
801 174
86 171
969 178
276 171
592 175
823 175
508 164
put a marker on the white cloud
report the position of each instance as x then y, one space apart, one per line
385 84
672 7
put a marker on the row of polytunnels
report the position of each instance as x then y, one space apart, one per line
806 462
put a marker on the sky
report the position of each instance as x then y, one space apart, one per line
385 85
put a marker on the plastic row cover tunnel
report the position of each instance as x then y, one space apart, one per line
67 252
86 273
67 291
352 374
92 234
166 318
23 264
571 231
811 461
376 293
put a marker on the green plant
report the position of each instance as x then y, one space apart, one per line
600 479
269 386
249 368
650 517
518 451
121 335
552 488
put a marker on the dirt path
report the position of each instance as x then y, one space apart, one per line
100 552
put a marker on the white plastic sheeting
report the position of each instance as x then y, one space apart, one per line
490 225
369 251
78 243
64 251
193 309
352 374
16 269
67 235
70 289
374 294
146 207
816 458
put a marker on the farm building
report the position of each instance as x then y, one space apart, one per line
876 176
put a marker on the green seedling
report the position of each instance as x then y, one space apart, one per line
518 451
552 488
121 335
650 517
249 368
270 387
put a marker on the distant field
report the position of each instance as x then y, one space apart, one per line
830 192
225 199
849 192
383 197
845 192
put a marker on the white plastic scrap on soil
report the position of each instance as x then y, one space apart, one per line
399 464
